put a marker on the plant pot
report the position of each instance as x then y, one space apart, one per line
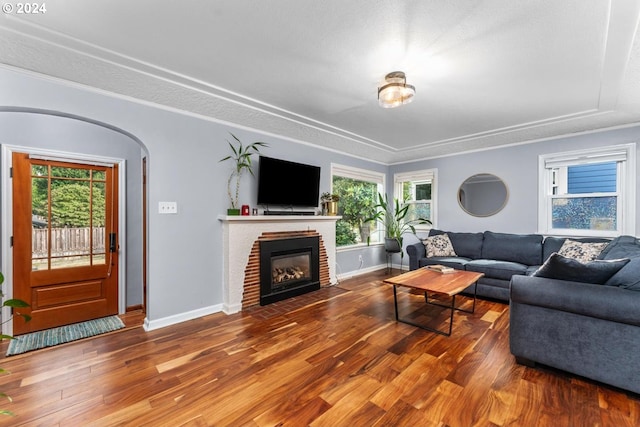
392 245
365 232
331 208
233 212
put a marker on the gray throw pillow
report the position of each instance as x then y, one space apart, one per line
563 268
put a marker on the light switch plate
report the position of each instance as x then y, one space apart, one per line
168 207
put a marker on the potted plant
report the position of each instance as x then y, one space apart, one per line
393 217
330 203
241 158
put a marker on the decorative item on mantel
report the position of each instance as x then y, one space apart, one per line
241 158
329 204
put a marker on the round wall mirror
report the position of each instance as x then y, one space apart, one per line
483 194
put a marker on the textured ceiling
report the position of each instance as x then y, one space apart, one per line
487 73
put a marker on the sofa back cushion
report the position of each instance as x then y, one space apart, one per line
553 244
467 245
523 248
624 247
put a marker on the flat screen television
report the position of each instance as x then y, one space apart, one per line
285 183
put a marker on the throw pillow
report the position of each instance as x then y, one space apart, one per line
563 268
438 245
582 251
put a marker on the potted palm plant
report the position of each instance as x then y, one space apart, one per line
393 217
241 158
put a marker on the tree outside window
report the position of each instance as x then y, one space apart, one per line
358 191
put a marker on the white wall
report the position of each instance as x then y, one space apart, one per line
184 250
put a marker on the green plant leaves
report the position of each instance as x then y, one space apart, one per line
392 217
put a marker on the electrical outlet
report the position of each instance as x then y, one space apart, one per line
168 207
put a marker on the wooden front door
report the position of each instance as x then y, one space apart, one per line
65 241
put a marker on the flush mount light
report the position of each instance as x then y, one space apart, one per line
395 91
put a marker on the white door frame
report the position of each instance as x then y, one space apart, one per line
6 219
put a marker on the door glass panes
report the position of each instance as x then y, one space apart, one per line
99 237
39 221
68 209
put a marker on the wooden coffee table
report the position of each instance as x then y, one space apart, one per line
426 280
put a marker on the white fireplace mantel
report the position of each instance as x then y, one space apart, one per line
239 234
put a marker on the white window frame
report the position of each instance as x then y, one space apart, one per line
624 155
378 178
419 176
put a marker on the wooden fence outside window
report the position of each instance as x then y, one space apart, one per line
67 241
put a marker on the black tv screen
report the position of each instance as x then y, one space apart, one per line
285 183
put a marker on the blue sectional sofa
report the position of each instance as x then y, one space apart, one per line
592 330
567 316
498 255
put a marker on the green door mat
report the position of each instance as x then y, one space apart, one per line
63 334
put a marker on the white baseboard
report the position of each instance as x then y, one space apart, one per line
231 308
150 325
355 273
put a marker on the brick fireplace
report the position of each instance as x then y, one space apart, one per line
242 237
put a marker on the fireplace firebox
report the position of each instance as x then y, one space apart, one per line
288 267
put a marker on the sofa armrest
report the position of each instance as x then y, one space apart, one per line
415 251
599 301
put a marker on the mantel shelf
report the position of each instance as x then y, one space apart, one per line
276 218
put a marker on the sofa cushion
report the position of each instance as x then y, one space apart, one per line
553 244
629 276
496 269
603 302
622 243
438 245
622 247
521 248
581 251
532 269
468 245
563 268
454 262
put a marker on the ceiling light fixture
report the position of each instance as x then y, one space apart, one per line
395 91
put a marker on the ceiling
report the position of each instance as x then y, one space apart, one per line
487 73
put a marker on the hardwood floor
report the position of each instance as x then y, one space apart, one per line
335 357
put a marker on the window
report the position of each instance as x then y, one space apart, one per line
358 190
588 192
418 190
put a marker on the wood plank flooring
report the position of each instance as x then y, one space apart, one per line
335 357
